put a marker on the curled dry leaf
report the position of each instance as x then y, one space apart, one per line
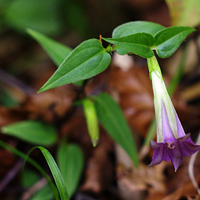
99 169
138 184
186 191
8 116
51 104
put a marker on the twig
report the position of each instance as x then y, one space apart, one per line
37 186
191 168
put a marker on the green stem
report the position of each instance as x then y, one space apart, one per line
153 66
32 162
110 48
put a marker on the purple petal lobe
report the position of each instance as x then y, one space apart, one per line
174 151
159 154
175 155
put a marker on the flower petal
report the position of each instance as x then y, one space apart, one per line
167 133
159 154
175 155
187 146
174 151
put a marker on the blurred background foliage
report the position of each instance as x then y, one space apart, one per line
55 17
49 17
90 18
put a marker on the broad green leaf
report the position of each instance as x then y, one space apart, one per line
138 44
58 52
29 177
58 178
92 121
85 61
168 40
133 28
44 193
184 12
34 132
35 14
70 161
113 120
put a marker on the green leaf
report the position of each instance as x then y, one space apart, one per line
184 12
113 120
34 132
167 41
131 28
138 44
57 52
29 177
58 178
44 193
92 121
85 61
70 161
22 14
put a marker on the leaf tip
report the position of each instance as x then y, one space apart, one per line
3 129
95 142
42 89
30 31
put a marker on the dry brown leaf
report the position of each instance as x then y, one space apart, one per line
51 104
8 116
141 183
99 168
186 191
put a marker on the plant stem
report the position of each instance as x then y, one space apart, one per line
153 66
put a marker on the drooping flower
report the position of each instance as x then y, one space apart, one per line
172 142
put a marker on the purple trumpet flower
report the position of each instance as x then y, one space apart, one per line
172 142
